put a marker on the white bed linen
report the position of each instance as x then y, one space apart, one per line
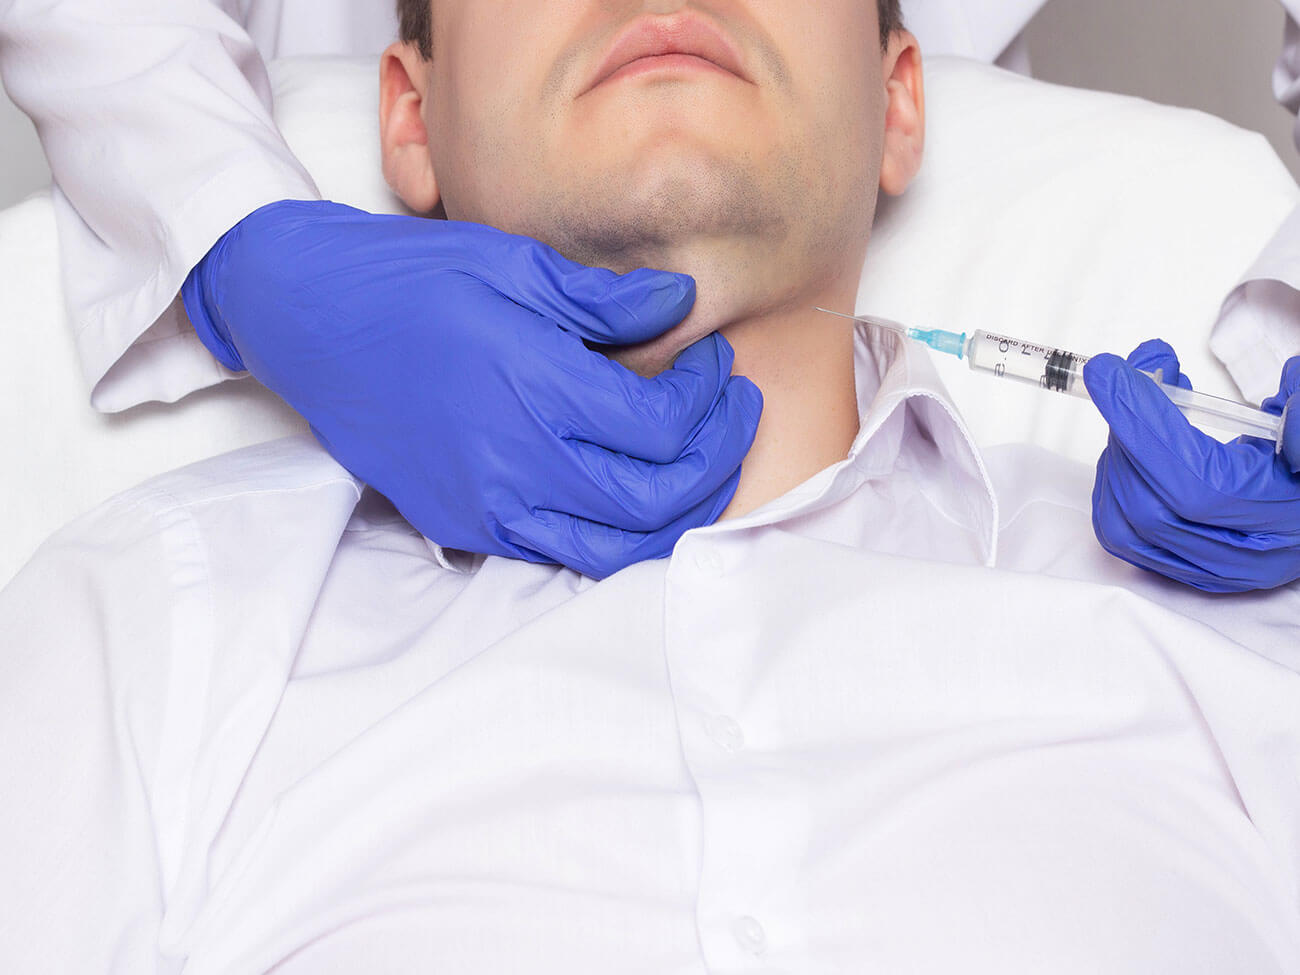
255 726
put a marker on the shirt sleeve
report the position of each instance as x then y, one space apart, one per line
155 116
1259 326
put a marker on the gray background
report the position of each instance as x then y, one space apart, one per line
1215 55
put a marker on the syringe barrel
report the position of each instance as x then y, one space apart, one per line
1010 358
1062 372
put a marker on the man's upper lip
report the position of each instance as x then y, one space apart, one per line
648 37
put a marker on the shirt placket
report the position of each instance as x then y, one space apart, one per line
749 813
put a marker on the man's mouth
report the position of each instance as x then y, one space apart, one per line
682 42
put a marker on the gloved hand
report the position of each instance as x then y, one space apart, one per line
1220 517
444 364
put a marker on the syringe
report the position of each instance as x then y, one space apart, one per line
1062 372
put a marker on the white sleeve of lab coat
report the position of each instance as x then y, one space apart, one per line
980 29
155 116
1259 327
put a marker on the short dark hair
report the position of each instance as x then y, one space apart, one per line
416 19
891 19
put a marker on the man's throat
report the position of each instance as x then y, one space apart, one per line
810 406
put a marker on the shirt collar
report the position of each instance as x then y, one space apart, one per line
900 400
902 405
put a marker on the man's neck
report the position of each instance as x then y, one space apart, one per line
802 360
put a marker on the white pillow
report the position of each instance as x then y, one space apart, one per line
1084 219
328 111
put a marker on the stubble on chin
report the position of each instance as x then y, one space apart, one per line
713 223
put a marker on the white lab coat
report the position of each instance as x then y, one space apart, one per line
155 116
156 119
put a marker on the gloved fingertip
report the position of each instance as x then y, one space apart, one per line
1099 375
708 358
1157 355
725 346
1291 377
1288 387
1291 433
1150 351
722 353
1136 410
653 301
749 396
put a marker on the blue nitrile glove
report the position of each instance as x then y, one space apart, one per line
444 364
1220 517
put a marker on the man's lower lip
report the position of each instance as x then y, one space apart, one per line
665 62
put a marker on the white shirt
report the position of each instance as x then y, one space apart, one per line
252 722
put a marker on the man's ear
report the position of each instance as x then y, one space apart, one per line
408 164
904 113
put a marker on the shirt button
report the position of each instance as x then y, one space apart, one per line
725 732
750 935
709 563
